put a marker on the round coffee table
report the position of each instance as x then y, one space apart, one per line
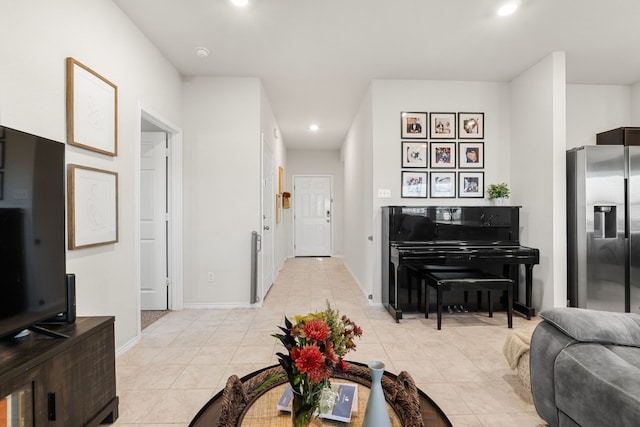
253 412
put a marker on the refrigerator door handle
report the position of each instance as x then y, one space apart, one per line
626 209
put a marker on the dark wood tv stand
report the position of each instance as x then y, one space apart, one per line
72 380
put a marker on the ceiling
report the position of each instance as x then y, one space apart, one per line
316 58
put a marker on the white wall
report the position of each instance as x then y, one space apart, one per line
595 108
222 176
225 122
538 106
318 162
635 104
38 37
357 155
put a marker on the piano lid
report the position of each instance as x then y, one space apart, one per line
466 225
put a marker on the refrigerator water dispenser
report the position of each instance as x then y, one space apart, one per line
604 222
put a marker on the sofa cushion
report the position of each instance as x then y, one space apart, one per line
586 325
595 386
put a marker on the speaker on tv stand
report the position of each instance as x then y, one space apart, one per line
69 315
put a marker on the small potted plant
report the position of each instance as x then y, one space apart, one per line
498 192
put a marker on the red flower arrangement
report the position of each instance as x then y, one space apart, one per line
316 345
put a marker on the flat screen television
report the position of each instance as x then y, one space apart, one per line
32 230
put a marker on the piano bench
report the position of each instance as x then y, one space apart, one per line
474 280
421 271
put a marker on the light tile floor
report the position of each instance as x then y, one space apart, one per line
184 358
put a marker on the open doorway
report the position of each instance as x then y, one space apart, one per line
160 214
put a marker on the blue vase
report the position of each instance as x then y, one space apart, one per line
376 414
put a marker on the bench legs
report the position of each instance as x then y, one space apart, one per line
439 291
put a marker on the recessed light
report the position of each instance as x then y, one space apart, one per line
240 3
202 52
508 9
313 128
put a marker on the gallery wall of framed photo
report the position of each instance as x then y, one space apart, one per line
442 154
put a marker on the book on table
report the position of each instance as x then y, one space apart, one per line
336 403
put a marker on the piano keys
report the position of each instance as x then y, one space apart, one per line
484 237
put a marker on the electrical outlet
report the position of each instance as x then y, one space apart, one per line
210 277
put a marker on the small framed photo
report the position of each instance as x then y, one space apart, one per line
471 184
443 155
1 154
471 155
471 125
443 185
414 184
414 154
442 126
413 125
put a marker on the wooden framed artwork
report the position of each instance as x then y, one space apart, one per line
442 126
92 196
413 125
471 184
280 179
278 208
471 155
471 125
414 154
414 184
443 185
443 155
92 110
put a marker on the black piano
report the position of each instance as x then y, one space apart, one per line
484 237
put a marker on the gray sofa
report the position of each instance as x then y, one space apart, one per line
585 368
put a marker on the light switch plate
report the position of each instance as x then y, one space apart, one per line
384 193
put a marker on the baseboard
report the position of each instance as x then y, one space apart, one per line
364 291
128 345
210 306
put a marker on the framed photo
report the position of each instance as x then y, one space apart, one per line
2 132
1 154
471 184
443 155
92 110
413 125
414 154
414 184
93 206
471 125
1 185
471 155
443 184
442 126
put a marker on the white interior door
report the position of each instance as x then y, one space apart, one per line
153 221
268 208
312 215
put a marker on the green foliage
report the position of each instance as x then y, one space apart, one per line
496 191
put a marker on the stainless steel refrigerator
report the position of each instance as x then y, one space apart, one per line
603 227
